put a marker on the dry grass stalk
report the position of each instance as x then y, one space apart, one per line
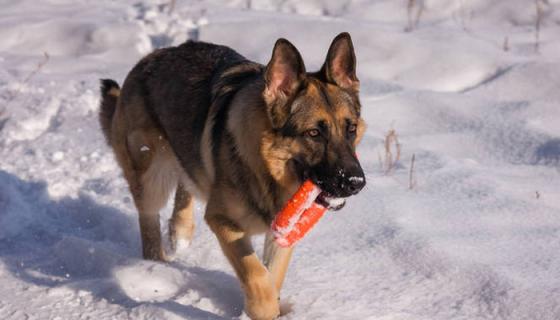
462 12
538 20
38 68
380 159
3 119
412 175
391 142
172 4
13 95
414 20
409 9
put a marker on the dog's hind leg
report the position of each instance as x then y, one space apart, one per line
181 224
154 178
276 259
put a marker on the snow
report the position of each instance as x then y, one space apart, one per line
335 202
477 237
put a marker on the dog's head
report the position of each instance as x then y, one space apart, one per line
316 116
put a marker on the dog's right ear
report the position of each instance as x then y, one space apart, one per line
283 77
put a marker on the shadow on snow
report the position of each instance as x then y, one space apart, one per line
78 243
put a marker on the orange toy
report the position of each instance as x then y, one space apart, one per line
298 216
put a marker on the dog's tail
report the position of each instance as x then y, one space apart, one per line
110 92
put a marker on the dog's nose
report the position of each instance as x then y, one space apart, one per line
354 184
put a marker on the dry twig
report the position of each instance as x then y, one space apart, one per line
411 175
538 19
13 95
38 68
414 20
380 159
391 142
171 6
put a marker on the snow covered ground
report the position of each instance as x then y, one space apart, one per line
477 237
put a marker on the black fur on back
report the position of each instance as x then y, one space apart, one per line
182 86
224 89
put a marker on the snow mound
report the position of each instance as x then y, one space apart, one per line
156 283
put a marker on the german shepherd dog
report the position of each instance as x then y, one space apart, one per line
206 122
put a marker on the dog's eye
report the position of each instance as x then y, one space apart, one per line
313 133
352 128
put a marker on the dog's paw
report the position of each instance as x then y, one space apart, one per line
256 310
181 247
176 248
285 307
261 300
179 237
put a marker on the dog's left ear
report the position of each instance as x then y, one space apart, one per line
340 66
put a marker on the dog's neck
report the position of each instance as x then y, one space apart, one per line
260 150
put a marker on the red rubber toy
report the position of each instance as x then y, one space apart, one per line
298 216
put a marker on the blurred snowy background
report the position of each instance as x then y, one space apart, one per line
470 88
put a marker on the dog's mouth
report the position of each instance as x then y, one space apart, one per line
326 199
330 202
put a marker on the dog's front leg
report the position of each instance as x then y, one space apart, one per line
261 298
276 259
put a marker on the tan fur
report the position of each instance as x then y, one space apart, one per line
261 297
206 150
114 92
152 172
181 224
276 260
